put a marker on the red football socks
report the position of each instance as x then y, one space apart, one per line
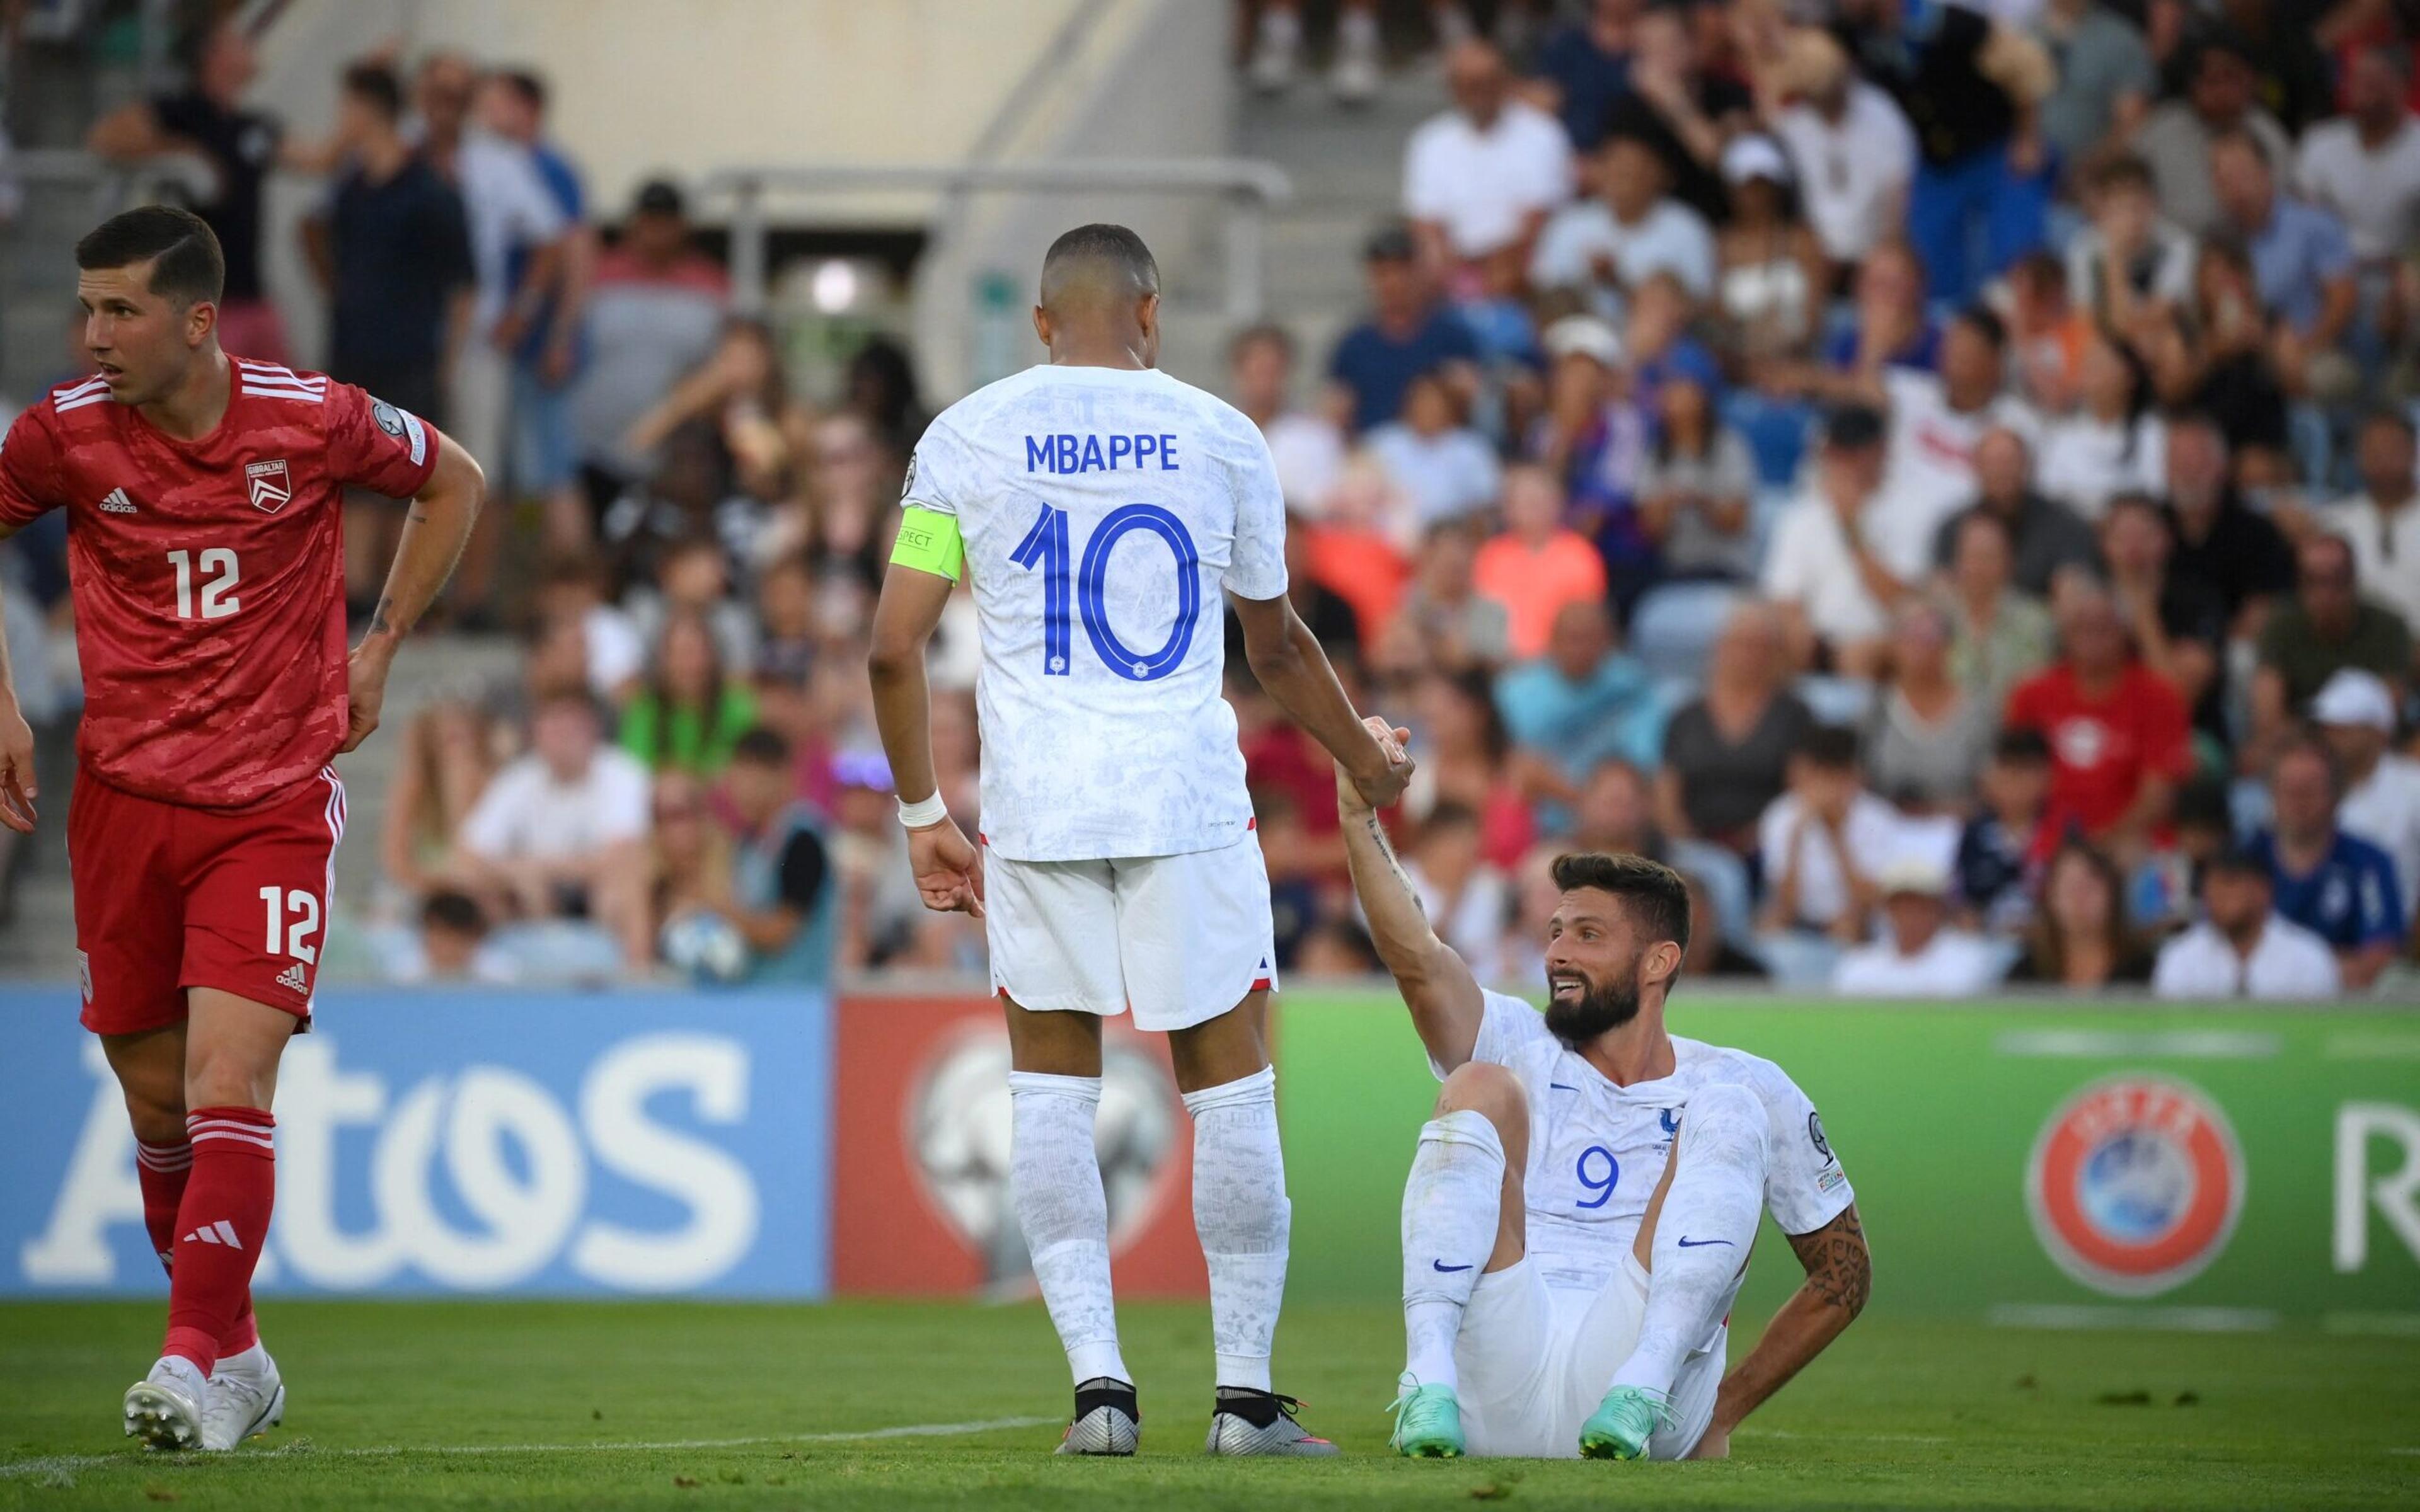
220 1224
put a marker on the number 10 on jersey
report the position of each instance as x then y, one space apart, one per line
1046 547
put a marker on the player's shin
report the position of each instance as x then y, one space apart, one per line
160 1171
1703 1237
220 1227
1242 1214
1055 1182
1451 1208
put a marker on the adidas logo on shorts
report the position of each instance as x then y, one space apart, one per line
292 979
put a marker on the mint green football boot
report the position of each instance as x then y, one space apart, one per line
1623 1421
1428 1422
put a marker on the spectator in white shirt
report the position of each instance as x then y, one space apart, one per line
2355 713
1852 145
1483 175
1825 842
1935 426
2111 444
1609 245
2363 167
2381 522
561 832
1307 446
1823 566
1447 470
1918 954
2241 947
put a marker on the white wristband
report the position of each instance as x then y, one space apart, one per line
923 813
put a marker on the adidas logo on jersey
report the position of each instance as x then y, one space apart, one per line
292 979
117 504
221 1232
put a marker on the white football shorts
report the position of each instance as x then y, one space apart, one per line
1178 939
1535 1360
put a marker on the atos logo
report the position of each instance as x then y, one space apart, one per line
2135 1185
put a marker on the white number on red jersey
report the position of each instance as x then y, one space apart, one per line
219 576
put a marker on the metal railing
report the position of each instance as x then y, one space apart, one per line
1249 187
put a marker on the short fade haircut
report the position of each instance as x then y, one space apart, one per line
186 263
1102 242
1654 895
376 85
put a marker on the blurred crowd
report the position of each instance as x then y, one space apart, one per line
1941 475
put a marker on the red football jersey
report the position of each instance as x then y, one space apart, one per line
208 575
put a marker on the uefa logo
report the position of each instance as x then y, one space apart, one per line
2134 1184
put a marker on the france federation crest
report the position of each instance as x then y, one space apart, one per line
2135 1185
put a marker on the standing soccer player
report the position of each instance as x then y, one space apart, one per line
1102 507
202 494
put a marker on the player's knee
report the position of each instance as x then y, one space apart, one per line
156 1111
227 1079
1486 1088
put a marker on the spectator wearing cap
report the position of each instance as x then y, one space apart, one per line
1919 954
2220 94
2325 628
1583 701
1593 436
1825 564
1446 468
2381 522
560 833
1604 247
2363 167
1851 145
1584 66
1484 174
654 312
785 898
1536 565
1407 333
2355 715
2339 887
2047 535
1970 86
1774 273
2118 732
2302 261
1307 446
2106 81
2241 947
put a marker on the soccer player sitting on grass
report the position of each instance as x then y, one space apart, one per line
1580 1208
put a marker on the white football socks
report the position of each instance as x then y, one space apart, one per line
1451 1208
1241 1212
1702 1239
1055 1182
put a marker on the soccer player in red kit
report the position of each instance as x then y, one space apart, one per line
205 558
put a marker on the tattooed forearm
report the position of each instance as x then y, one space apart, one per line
379 616
1840 1268
1387 852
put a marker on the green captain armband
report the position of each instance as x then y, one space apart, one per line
930 542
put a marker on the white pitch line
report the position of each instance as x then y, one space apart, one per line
1858 1438
60 1464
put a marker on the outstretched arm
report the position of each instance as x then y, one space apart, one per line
949 873
1436 983
434 532
1289 662
1839 1276
17 788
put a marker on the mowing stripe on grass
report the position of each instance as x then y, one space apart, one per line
2084 1315
59 1464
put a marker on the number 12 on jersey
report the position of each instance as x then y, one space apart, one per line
1045 547
218 573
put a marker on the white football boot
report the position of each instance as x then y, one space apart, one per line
246 1396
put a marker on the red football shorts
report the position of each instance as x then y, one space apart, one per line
169 897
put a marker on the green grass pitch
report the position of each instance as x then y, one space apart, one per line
701 1406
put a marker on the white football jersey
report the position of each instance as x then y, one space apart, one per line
1597 1150
1103 510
